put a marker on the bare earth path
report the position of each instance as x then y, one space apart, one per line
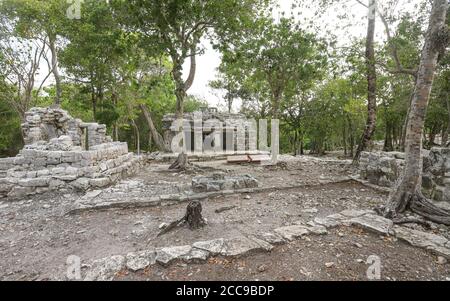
37 236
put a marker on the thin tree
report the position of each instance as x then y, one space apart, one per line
371 83
408 191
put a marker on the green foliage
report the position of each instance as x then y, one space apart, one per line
125 53
10 135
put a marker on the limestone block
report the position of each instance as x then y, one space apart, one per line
58 171
81 184
240 246
71 157
67 178
31 174
43 173
100 182
35 182
55 184
19 160
139 261
165 256
5 187
292 232
105 269
214 247
12 173
20 192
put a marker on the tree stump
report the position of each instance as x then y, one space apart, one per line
194 216
181 163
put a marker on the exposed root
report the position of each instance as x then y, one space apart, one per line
412 220
223 209
422 206
418 204
181 163
172 226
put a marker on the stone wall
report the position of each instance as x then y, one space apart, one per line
383 169
55 156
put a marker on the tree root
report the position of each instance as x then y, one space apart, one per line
193 218
412 220
181 163
420 205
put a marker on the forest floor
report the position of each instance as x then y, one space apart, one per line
37 235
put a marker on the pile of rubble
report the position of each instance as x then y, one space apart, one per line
384 168
63 153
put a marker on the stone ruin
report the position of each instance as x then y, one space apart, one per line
221 182
384 168
63 153
235 128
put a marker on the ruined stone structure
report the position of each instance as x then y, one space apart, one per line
220 181
239 135
63 153
383 169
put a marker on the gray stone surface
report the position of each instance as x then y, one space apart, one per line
141 260
105 269
240 246
330 221
419 238
272 238
165 256
292 232
374 223
214 247
219 182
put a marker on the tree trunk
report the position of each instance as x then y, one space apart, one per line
388 145
295 143
408 190
55 69
180 92
302 146
230 102
352 136
276 98
138 137
116 132
405 125
372 84
157 138
445 134
181 163
150 141
344 138
192 70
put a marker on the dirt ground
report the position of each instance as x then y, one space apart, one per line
37 236
341 255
